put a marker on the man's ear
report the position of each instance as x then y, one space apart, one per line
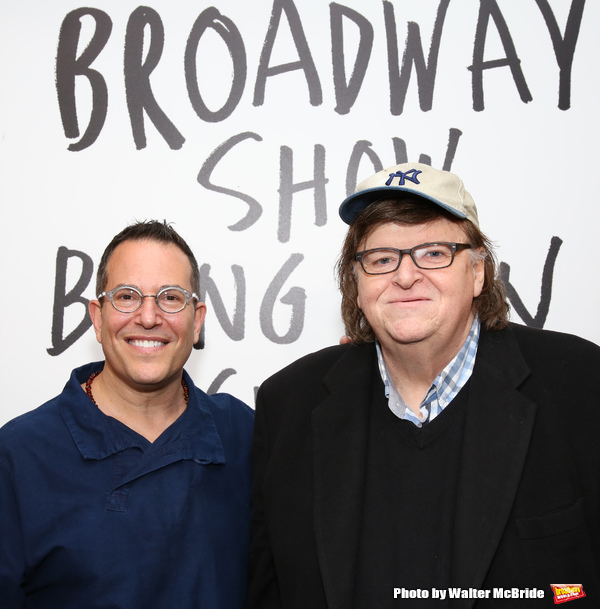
199 316
95 311
478 277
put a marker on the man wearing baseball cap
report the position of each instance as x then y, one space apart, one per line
445 457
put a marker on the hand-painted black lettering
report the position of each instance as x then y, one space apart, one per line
69 66
545 293
487 9
413 55
304 63
346 91
204 179
229 33
564 47
236 328
62 299
287 188
295 297
139 93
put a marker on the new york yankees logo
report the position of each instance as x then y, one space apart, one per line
410 175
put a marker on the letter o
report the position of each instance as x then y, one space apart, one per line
228 31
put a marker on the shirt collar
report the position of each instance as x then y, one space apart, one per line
445 386
98 436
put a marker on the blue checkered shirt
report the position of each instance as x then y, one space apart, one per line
445 387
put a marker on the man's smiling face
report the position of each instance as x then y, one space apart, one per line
148 348
412 305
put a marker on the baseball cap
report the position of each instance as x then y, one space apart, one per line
440 187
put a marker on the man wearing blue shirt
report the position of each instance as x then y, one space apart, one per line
130 489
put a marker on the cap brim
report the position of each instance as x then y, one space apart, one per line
356 202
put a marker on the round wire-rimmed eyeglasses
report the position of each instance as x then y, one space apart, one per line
128 299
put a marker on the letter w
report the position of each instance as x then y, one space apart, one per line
413 54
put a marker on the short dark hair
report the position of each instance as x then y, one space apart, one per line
490 306
147 230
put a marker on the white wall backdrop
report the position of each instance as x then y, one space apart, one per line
246 123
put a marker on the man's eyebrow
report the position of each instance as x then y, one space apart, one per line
172 285
162 287
123 285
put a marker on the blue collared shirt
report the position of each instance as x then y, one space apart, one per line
444 388
94 515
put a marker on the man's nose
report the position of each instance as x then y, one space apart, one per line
407 273
149 310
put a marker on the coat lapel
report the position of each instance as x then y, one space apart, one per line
340 428
497 435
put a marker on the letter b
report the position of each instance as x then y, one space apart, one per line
62 299
68 66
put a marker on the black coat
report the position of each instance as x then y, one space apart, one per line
528 497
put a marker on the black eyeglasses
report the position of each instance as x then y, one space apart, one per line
127 298
382 260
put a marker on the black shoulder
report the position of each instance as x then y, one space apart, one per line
549 343
314 365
